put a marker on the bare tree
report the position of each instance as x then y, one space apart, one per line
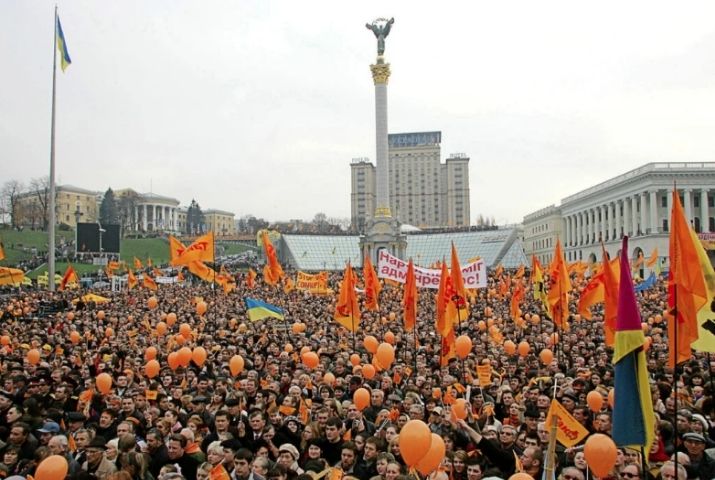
40 188
10 194
128 202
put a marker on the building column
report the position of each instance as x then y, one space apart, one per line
572 227
145 222
688 205
644 218
581 235
669 213
654 227
627 217
634 213
611 221
602 224
617 219
704 216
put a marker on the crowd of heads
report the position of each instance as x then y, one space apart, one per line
278 419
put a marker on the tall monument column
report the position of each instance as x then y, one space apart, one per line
382 230
380 76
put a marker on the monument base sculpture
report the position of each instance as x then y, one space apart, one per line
382 233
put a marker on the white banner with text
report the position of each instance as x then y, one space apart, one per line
392 268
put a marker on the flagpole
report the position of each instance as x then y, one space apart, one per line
51 233
675 335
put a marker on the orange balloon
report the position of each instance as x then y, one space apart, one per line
310 359
554 338
152 368
611 397
524 348
392 317
161 328
100 315
201 308
150 353
594 401
152 302
288 348
296 328
600 453
463 345
53 467
70 316
509 347
5 340
415 441
535 319
109 332
647 344
369 371
482 325
75 337
546 356
385 355
304 349
355 359
361 398
460 408
521 476
180 339
434 456
173 360
104 383
33 356
488 312
370 343
390 338
236 365
185 330
329 378
184 356
171 319
436 393
199 356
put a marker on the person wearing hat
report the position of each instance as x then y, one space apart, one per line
700 462
288 457
96 463
48 430
198 407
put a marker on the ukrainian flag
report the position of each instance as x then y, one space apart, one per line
258 310
62 46
633 416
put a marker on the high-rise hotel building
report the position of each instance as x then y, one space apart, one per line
423 191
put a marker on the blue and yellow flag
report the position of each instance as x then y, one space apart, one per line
62 46
258 310
633 417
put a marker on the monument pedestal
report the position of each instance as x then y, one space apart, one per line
382 232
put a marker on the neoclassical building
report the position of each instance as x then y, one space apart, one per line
152 212
638 204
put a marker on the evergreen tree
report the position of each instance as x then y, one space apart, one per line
109 210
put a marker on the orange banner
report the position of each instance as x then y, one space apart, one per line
568 430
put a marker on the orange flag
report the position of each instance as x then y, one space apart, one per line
347 311
559 288
449 348
611 285
273 271
175 250
516 298
149 282
443 323
202 250
138 263
594 292
251 278
409 299
372 286
687 292
203 271
70 276
652 259
520 272
131 280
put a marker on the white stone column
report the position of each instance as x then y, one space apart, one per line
592 236
688 205
634 212
644 217
602 224
579 236
145 222
704 216
380 76
669 213
617 219
611 220
654 227
627 217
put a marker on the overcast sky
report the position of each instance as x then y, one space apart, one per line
259 106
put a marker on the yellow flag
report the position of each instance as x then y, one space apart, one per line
2 251
569 431
706 315
202 250
484 372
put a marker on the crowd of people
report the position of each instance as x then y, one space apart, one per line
278 419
